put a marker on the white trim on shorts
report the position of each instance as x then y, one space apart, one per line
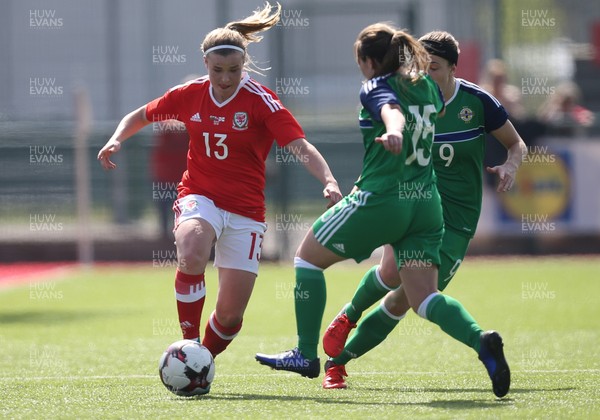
335 222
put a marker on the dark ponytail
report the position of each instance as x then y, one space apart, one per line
392 50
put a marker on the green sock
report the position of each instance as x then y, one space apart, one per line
371 331
367 293
310 295
454 320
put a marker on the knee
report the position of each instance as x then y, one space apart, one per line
389 275
396 303
191 260
194 240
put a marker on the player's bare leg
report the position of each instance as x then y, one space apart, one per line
194 239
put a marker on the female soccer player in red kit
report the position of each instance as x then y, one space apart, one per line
232 121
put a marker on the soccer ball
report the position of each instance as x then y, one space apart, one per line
187 368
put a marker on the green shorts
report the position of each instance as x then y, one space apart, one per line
361 222
452 253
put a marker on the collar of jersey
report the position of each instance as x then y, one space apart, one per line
456 85
245 78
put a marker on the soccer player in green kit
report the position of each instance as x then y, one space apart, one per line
400 105
458 153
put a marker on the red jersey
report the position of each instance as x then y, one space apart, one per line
229 141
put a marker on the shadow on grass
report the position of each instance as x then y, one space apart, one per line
333 397
285 398
468 404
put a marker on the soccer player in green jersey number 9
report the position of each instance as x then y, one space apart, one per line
400 106
458 152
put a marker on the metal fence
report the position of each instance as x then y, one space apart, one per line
125 53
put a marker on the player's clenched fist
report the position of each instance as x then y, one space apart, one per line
392 142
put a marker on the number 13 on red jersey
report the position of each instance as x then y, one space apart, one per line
221 151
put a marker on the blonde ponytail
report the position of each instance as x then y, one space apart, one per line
259 21
239 34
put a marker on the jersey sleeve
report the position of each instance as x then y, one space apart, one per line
494 113
284 127
376 93
165 107
277 119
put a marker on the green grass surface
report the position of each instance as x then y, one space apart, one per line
87 346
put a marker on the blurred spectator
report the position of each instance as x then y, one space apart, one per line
562 113
169 161
494 80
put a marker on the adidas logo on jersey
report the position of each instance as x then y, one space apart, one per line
196 117
339 247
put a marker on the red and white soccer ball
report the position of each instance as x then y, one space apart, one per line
187 368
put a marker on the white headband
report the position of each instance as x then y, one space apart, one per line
222 47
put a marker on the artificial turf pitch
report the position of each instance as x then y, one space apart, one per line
86 344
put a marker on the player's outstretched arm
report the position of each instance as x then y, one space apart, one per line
129 125
318 167
394 121
516 151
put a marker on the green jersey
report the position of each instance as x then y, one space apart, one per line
458 153
420 102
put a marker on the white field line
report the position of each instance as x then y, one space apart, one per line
243 375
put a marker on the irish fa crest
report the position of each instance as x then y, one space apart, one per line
466 114
240 121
